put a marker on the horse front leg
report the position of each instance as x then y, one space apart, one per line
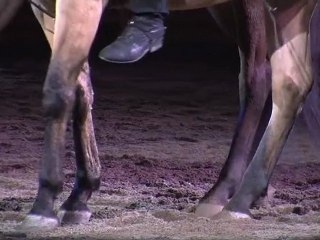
75 210
254 87
74 30
291 81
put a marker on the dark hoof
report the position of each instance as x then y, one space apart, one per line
208 210
37 223
74 217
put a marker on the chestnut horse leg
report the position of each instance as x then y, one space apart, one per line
291 82
65 91
246 26
311 110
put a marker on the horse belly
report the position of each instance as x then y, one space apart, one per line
174 4
193 4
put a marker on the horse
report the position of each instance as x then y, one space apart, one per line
290 58
277 29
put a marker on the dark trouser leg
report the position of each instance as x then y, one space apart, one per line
149 6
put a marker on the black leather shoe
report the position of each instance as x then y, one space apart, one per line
142 35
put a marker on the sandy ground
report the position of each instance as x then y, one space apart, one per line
162 140
164 127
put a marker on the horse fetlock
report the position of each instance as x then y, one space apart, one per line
244 198
264 199
77 201
95 183
225 188
252 188
85 182
52 186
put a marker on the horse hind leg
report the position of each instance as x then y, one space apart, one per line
75 210
291 83
311 111
71 41
254 107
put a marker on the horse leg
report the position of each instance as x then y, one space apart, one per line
75 210
291 81
73 36
254 108
311 110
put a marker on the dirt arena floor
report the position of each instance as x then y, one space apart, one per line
164 127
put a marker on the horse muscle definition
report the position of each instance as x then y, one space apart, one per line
283 35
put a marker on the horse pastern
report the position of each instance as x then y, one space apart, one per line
74 217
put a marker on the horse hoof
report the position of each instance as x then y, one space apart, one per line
239 215
208 210
231 215
74 217
36 222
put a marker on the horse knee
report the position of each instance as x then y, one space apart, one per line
56 102
57 96
289 94
296 79
291 77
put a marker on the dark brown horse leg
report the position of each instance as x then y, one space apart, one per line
311 109
254 108
75 209
291 81
73 36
